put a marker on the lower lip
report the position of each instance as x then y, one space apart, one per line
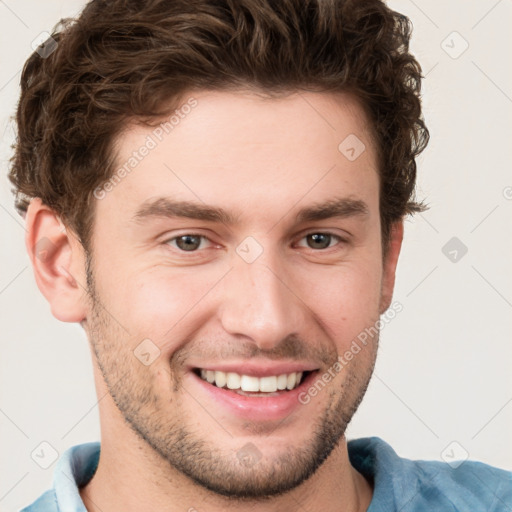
257 408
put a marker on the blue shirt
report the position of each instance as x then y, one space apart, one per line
399 484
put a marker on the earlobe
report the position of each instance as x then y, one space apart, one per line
57 259
390 263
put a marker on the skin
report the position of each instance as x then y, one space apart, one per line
165 444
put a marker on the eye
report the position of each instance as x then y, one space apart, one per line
321 240
191 242
188 242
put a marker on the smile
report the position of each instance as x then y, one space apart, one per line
260 391
252 384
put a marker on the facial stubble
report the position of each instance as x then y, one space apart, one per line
189 451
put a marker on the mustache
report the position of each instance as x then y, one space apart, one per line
292 347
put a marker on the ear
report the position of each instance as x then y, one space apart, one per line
390 262
58 260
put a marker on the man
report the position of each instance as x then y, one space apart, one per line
216 191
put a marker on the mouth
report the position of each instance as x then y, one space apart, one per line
252 385
254 390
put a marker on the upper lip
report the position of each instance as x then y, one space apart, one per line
258 369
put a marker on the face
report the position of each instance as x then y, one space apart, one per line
239 256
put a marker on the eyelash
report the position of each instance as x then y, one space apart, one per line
333 235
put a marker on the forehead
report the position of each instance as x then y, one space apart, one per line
249 153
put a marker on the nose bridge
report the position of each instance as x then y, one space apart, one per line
257 304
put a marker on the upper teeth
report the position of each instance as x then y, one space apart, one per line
270 384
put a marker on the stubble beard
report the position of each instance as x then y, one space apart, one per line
190 452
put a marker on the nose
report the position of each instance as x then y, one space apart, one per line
259 303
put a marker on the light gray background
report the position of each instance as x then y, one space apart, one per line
443 372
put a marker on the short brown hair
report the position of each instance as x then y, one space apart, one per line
131 59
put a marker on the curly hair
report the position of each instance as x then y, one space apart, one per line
135 59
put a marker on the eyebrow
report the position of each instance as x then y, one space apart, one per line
166 207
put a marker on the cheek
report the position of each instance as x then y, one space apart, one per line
162 305
346 299
168 304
